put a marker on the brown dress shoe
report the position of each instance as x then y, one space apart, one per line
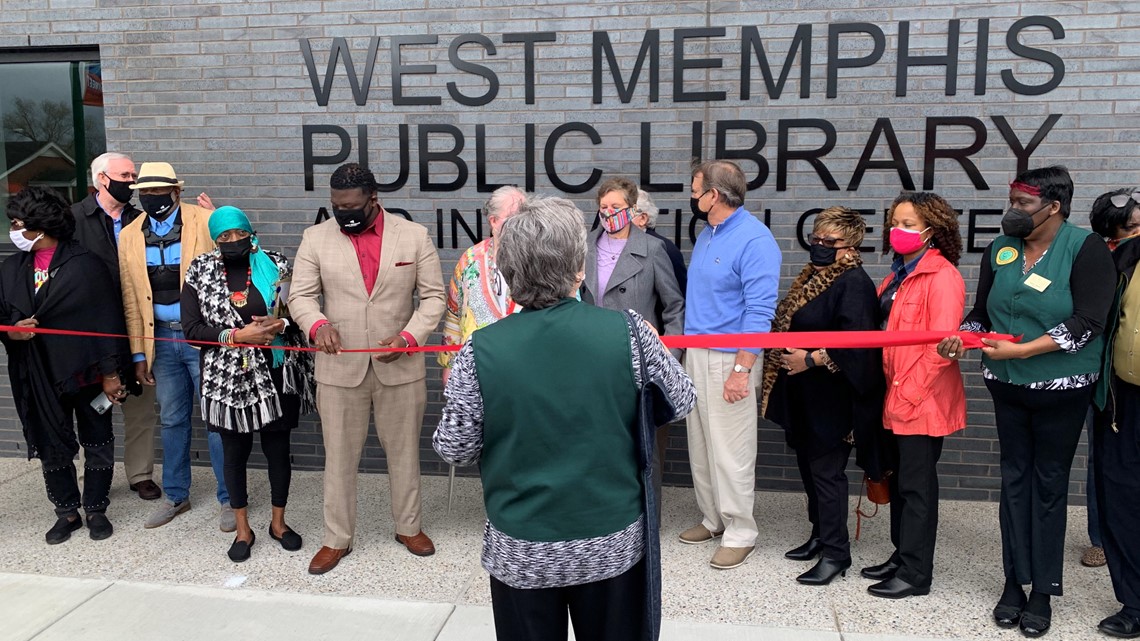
148 490
419 545
326 559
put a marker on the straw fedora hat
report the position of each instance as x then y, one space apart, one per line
156 174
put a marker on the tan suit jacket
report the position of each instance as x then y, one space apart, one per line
137 303
326 265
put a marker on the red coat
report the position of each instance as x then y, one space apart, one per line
925 395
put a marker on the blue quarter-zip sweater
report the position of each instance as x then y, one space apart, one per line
734 278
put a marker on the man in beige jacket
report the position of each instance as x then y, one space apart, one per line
154 252
368 266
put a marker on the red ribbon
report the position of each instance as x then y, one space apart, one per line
768 340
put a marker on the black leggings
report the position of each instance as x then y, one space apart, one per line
236 448
97 439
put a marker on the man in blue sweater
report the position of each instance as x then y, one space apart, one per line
734 279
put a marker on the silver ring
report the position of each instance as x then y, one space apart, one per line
953 354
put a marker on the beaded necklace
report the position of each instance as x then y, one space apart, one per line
239 299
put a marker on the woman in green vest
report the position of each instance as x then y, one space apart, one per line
545 401
1051 283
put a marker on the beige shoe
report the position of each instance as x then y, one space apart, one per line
698 534
1093 558
727 558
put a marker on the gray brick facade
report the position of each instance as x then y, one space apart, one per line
221 90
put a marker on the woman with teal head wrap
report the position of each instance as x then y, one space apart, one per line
251 380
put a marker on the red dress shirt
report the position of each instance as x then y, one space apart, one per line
367 245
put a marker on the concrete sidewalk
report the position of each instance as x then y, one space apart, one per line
175 582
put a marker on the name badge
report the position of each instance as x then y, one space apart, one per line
1038 282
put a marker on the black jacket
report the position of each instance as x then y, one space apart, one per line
43 369
95 231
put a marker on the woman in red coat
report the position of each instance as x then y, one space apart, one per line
925 398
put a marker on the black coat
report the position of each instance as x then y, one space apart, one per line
818 409
79 295
95 231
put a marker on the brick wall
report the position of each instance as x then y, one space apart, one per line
221 90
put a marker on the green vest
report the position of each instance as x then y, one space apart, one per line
1029 305
559 409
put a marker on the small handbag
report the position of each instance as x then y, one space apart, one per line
878 493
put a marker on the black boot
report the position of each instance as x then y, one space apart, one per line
805 552
824 572
882 571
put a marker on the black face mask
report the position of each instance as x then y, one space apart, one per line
237 249
351 221
158 207
694 205
822 256
1019 224
120 190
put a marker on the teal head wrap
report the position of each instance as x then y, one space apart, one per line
263 271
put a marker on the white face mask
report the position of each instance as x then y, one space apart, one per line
21 242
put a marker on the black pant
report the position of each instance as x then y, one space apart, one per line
609 610
236 448
97 438
914 507
1117 456
1038 431
825 482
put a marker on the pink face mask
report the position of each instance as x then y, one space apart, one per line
907 241
615 220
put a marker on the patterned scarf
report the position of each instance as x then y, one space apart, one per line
809 284
237 390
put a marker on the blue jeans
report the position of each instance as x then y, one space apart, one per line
177 381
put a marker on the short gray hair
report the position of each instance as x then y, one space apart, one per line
726 177
99 165
542 249
504 201
645 206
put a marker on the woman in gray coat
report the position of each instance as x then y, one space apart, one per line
627 268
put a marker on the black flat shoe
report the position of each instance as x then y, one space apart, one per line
99 527
290 540
1034 625
1007 616
239 551
805 552
882 571
824 572
1121 626
62 530
896 588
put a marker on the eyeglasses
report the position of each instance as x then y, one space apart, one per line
610 213
1120 200
830 243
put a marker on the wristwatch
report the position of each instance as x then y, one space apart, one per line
740 369
808 360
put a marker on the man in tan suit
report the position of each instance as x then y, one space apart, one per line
154 252
367 265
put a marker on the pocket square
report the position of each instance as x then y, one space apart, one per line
403 264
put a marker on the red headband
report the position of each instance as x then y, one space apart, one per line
1029 189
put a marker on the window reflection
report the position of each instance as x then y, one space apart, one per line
51 124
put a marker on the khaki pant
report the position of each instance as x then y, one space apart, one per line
139 419
344 411
722 447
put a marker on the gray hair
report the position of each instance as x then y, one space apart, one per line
99 165
726 177
645 206
542 249
504 201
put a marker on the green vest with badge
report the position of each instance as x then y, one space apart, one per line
1030 304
